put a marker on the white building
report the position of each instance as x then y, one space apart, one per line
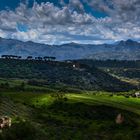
137 94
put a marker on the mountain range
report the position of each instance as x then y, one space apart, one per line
122 50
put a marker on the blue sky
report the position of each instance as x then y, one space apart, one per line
64 21
7 4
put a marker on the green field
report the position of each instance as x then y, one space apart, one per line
90 115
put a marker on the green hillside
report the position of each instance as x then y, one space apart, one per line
129 69
61 73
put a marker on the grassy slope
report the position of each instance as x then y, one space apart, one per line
130 104
81 117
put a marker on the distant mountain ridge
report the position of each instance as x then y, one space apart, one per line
123 50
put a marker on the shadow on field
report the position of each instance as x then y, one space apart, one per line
73 121
82 121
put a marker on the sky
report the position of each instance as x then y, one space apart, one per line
65 21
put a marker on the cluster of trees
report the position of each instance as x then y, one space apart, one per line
11 57
46 58
6 86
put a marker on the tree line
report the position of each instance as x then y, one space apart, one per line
45 58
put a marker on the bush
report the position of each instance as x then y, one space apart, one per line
111 95
65 98
60 96
5 85
126 96
20 87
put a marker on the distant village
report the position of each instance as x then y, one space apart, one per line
45 58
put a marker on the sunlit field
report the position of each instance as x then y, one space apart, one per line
90 115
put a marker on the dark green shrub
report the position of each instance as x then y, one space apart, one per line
126 96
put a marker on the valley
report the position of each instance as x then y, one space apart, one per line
70 109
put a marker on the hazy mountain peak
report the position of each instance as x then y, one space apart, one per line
128 42
72 50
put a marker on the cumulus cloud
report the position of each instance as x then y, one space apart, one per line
125 10
49 24
2 33
76 5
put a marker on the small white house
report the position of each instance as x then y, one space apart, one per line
137 94
74 66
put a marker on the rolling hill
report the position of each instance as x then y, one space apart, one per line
65 74
126 69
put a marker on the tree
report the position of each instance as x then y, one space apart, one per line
20 87
59 96
5 85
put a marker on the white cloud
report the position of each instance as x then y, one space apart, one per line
54 25
2 33
32 34
124 10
